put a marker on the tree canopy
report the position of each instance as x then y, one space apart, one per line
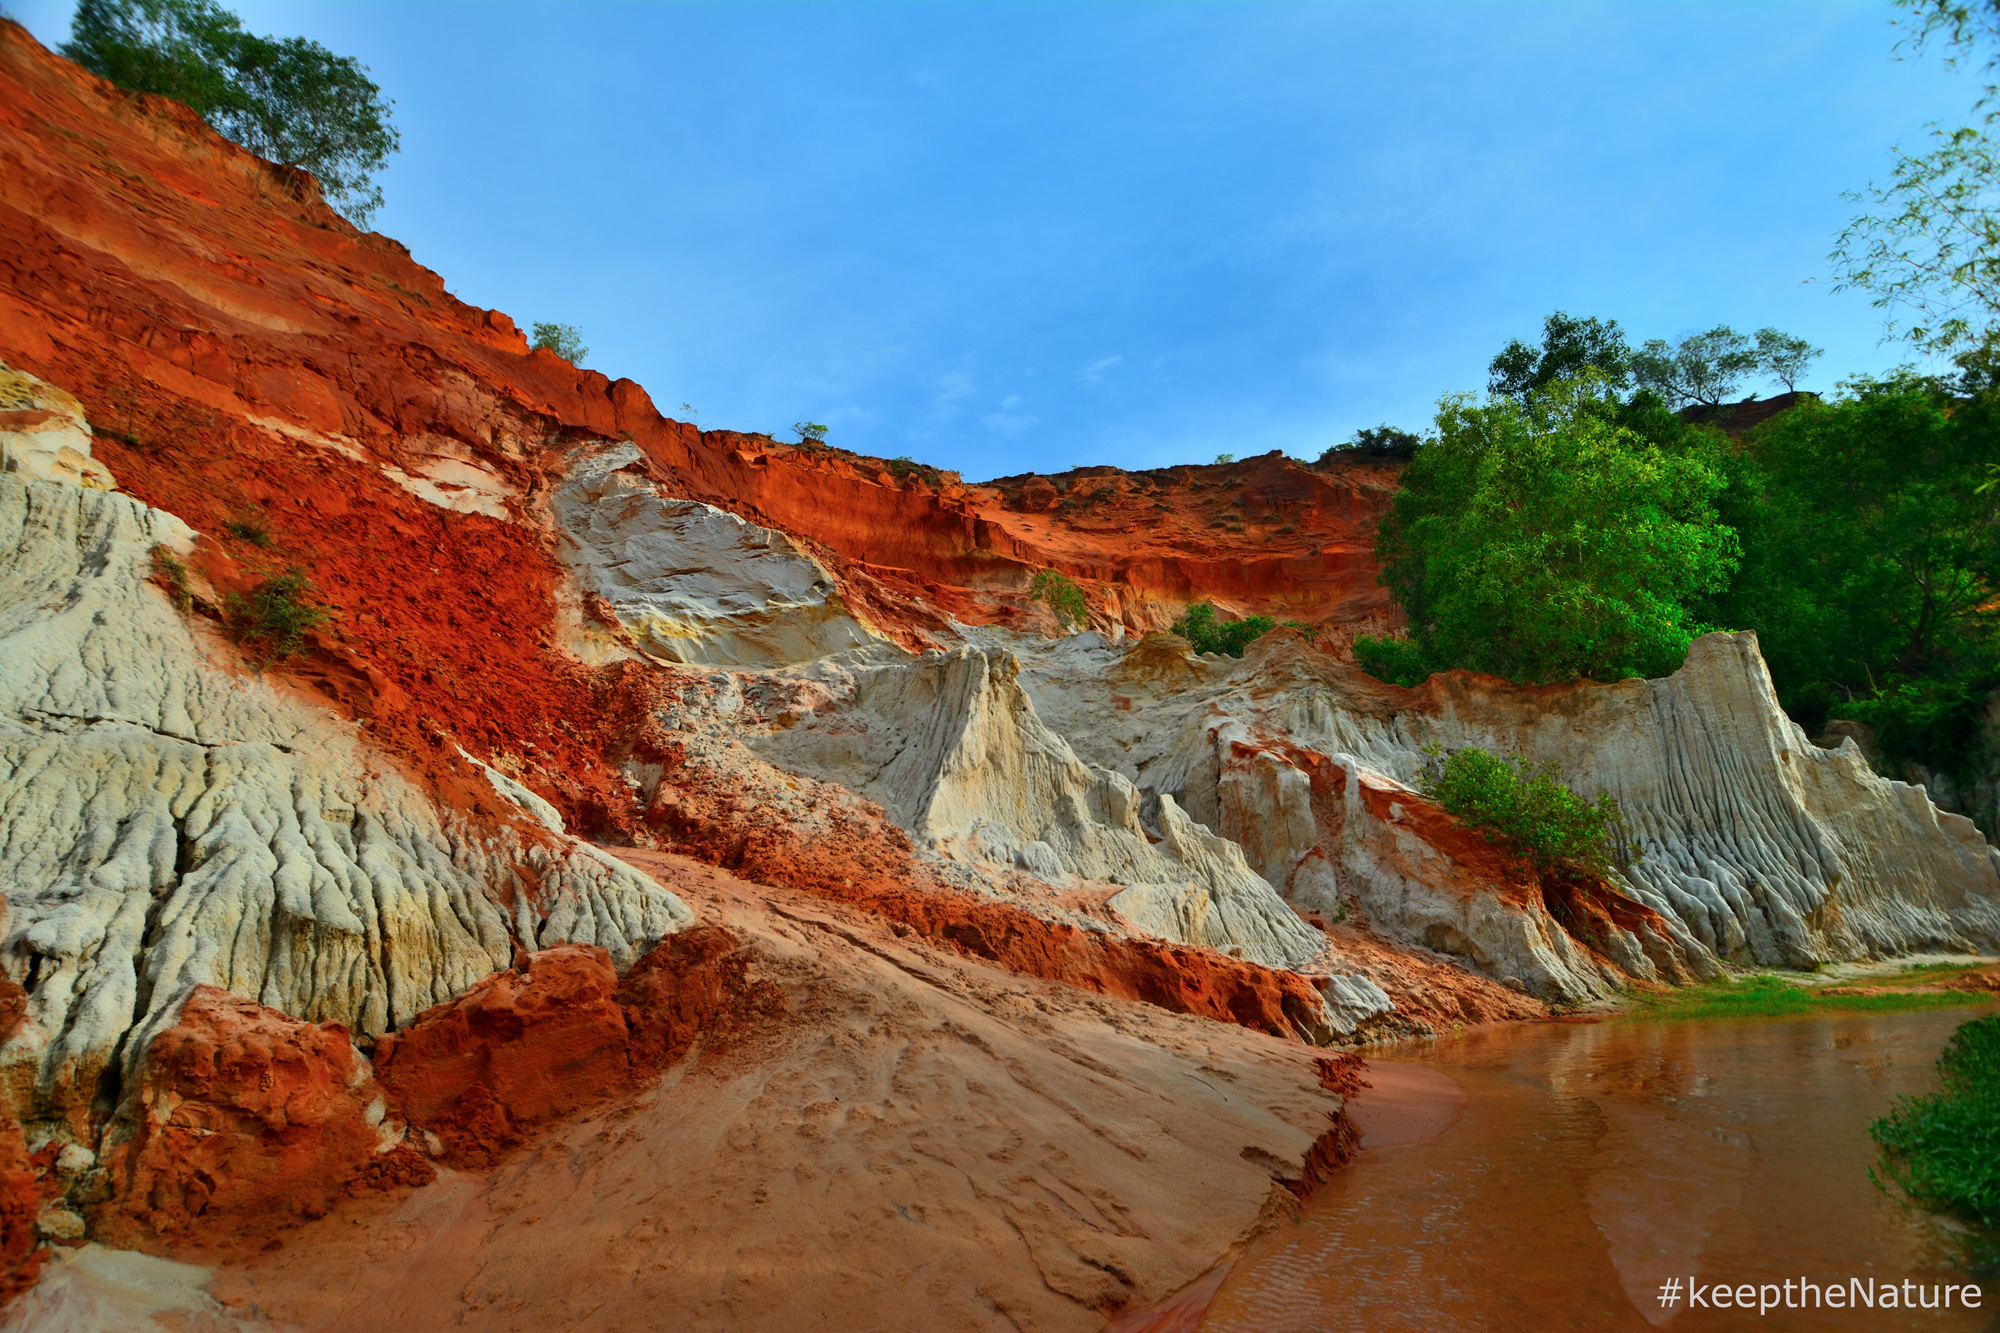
289 100
565 340
1570 346
1547 540
1869 560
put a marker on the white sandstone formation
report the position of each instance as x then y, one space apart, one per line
43 434
950 745
168 820
1754 846
690 582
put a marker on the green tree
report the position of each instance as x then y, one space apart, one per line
1546 541
1784 357
565 340
1700 370
1869 554
291 100
1384 441
1570 346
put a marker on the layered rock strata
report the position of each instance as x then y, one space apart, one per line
168 820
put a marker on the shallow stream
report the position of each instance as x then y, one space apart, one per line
1560 1176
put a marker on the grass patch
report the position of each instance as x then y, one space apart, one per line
248 529
1767 996
1942 1150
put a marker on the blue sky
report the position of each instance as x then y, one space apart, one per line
1032 236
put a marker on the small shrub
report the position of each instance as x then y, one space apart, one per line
249 529
1205 634
276 616
1307 632
1942 1150
173 575
1397 661
1224 458
565 340
1059 590
905 466
1526 808
812 434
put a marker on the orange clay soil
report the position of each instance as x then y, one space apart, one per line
908 1140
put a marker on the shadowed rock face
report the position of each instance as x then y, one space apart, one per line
1754 846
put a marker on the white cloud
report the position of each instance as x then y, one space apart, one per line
1094 372
1008 422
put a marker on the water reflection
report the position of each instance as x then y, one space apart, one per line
1591 1164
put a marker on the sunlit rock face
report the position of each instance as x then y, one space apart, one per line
691 582
43 434
169 820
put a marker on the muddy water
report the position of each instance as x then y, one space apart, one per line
1554 1177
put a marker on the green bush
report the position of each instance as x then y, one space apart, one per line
276 616
249 529
565 340
1398 661
1549 540
1205 634
1059 590
1526 808
291 101
1942 1150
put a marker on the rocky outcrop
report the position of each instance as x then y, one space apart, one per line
560 1032
1753 845
241 1122
951 746
689 581
168 821
43 434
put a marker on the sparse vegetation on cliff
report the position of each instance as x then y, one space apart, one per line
273 619
565 340
289 100
1205 634
1063 597
1384 441
172 575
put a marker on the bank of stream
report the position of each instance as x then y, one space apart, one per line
1560 1176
